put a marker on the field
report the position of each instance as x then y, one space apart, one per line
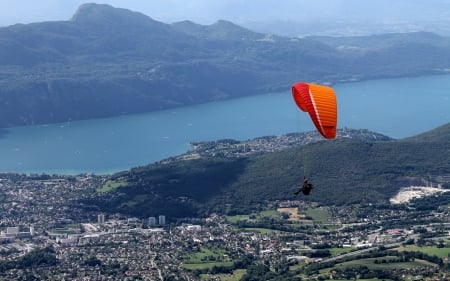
111 185
260 215
236 276
318 215
292 212
194 266
371 263
340 251
207 258
429 250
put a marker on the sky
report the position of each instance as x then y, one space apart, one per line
238 11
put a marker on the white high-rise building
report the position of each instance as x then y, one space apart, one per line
32 230
101 219
162 220
151 221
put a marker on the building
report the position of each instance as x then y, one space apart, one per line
151 221
132 220
162 220
101 219
12 230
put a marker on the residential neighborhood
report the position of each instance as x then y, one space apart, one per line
39 213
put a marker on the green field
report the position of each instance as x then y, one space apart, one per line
339 251
111 185
429 250
260 215
236 276
370 263
380 263
207 258
235 219
204 265
206 254
318 215
268 213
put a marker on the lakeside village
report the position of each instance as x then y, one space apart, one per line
47 234
235 148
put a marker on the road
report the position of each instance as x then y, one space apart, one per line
361 251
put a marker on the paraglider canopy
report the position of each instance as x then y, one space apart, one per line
320 102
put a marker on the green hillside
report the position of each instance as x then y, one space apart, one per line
344 171
440 134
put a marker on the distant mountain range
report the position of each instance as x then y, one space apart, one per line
357 167
107 61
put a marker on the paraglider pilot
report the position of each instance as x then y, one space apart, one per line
306 187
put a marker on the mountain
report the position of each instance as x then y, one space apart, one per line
357 167
106 61
438 135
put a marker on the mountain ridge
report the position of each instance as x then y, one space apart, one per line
107 61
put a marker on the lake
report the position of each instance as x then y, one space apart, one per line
395 107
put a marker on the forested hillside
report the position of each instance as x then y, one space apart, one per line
344 171
107 61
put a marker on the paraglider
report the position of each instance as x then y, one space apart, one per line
306 187
320 103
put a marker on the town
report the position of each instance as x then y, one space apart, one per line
234 148
40 218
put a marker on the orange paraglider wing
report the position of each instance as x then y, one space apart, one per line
320 102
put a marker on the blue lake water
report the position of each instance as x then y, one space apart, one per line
396 107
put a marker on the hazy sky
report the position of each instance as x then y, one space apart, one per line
238 11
